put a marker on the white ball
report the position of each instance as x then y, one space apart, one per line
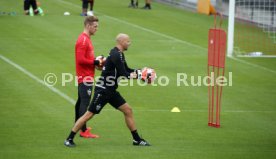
66 13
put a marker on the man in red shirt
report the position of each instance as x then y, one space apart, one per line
85 69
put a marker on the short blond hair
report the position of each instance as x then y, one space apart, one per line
90 20
121 36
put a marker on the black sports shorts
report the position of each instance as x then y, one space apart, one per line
28 3
102 97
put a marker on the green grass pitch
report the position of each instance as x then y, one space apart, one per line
35 121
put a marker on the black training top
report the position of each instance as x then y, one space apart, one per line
115 67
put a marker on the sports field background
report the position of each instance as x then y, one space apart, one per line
35 120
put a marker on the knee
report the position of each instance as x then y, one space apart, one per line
87 116
128 111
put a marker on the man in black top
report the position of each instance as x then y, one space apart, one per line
105 92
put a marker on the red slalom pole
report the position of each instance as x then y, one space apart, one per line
216 66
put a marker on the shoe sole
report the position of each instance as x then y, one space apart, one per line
69 145
141 145
90 137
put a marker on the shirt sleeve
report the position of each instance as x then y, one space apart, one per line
120 66
80 54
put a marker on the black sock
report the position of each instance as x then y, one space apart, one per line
135 135
132 2
71 135
83 128
36 12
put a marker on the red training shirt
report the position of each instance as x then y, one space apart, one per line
84 54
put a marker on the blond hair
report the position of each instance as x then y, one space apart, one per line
90 20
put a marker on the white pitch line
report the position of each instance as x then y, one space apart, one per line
262 56
55 90
170 37
252 64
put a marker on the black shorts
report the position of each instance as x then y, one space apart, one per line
84 97
28 3
102 97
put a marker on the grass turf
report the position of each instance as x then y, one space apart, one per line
35 120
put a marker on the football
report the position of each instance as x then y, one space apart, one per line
66 13
148 75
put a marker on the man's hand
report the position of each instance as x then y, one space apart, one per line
101 60
138 73
133 75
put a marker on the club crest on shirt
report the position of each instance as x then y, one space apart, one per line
89 91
